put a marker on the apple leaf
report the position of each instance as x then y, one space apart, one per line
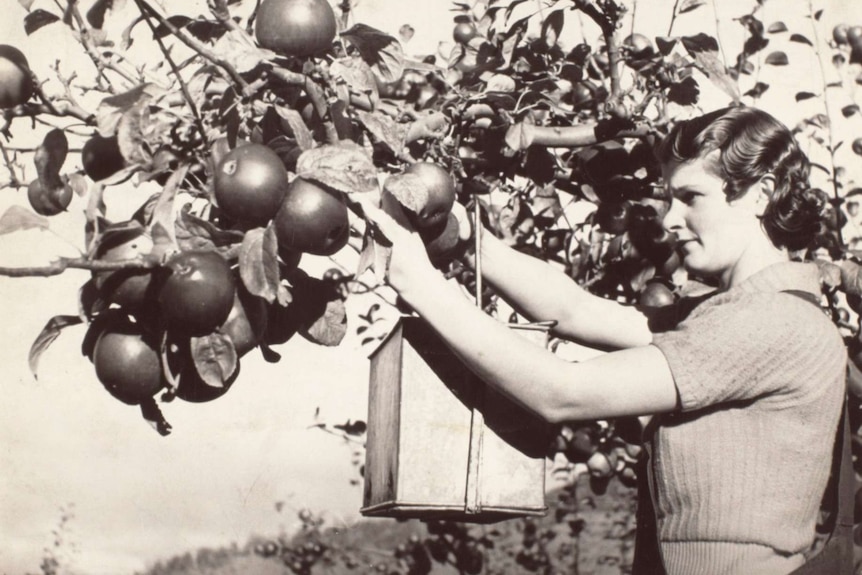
47 336
801 96
848 111
131 132
112 108
758 90
409 189
26 4
356 73
801 39
153 415
37 19
357 427
293 123
851 277
238 50
90 301
689 5
329 328
78 183
777 28
194 233
179 21
344 166
258 263
704 49
96 13
50 156
777 58
17 218
380 50
520 136
385 130
163 211
215 358
375 256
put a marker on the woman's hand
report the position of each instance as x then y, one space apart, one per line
409 264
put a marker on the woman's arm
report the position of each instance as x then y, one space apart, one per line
542 292
630 382
633 381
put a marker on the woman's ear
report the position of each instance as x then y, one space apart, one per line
764 188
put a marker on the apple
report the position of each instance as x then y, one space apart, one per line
16 80
299 28
312 219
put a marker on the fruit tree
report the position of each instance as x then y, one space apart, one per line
261 129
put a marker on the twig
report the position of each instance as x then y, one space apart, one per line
183 87
10 164
673 17
98 60
62 264
835 184
53 108
718 32
196 46
315 94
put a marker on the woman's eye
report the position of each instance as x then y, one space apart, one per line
687 198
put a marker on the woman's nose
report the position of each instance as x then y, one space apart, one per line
673 220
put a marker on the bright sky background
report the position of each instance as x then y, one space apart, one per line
139 497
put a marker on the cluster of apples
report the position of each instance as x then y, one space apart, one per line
150 325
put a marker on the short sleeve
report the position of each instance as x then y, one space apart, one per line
735 351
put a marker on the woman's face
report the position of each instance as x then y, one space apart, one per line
713 233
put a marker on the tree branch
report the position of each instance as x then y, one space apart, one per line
62 264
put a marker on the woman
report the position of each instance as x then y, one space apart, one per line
746 384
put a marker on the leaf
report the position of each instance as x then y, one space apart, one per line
758 90
214 357
777 28
17 218
258 263
292 120
194 233
848 111
801 96
553 26
851 277
330 328
238 50
801 39
818 14
685 93
79 184
27 4
90 301
38 18
49 333
163 212
112 108
704 49
375 256
96 13
357 427
49 158
665 44
344 166
385 129
131 134
777 59
689 5
177 20
380 50
410 190
356 73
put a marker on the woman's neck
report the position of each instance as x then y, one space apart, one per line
757 256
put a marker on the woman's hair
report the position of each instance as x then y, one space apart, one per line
752 144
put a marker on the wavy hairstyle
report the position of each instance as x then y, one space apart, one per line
751 145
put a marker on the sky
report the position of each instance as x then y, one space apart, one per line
216 479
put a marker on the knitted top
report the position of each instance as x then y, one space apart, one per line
739 470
